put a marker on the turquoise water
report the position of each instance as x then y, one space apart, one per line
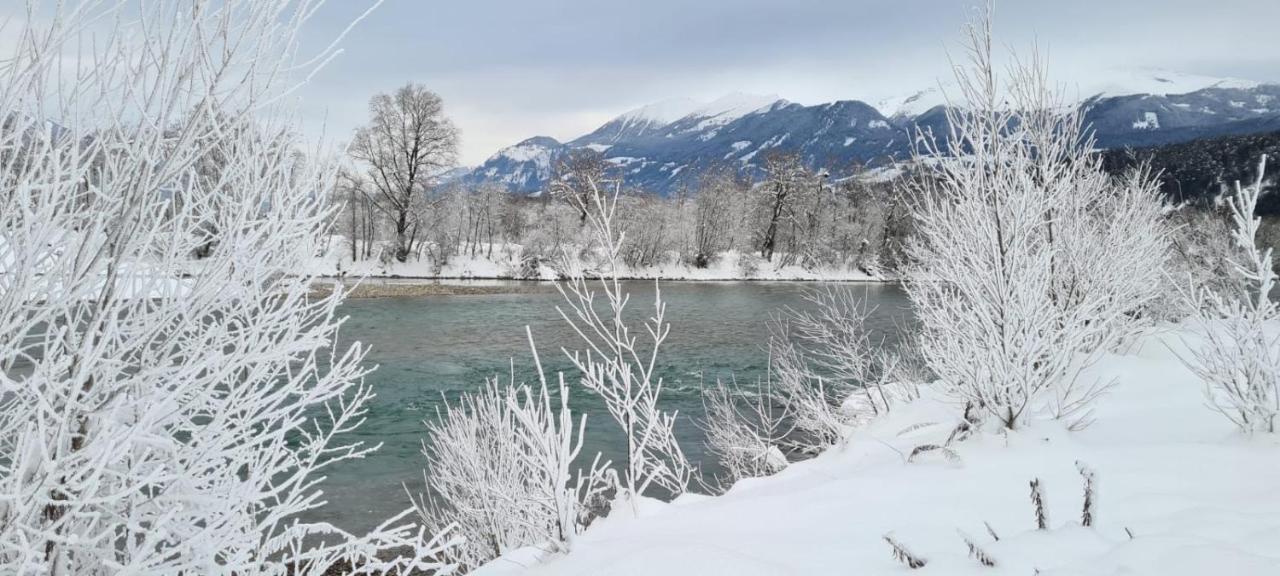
426 347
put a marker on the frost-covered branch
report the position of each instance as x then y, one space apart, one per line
170 393
500 469
745 429
613 363
1028 260
1239 359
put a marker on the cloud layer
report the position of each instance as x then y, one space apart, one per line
509 70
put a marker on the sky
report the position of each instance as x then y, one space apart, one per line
509 70
512 69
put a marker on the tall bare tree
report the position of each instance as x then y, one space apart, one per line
407 141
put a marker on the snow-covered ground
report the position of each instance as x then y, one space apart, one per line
1179 492
505 263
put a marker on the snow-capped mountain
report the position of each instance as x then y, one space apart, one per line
654 151
662 146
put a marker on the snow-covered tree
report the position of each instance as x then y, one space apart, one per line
785 182
1028 258
719 208
170 393
1239 359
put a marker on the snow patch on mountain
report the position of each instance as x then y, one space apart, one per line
664 112
525 152
731 107
1149 121
1155 81
736 105
915 103
1105 82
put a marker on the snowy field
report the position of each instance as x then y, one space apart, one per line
1179 491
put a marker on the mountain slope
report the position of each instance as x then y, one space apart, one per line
522 168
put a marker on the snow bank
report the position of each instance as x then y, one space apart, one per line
505 264
1179 492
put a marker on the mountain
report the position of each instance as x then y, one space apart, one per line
657 153
662 146
1147 119
522 168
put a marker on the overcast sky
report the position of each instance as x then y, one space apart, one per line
508 70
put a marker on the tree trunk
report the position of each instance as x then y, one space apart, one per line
771 235
402 227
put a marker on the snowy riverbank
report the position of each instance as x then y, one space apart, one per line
1178 492
508 262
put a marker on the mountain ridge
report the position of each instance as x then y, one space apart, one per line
659 146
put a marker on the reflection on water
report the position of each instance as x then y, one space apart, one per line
433 346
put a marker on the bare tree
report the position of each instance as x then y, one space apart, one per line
783 184
407 142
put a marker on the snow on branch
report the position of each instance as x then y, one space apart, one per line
1239 359
613 362
170 392
745 429
500 469
1028 259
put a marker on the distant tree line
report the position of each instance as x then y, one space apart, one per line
1199 171
395 209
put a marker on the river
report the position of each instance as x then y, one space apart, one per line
433 347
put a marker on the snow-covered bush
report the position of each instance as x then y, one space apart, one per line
1240 357
744 431
810 402
159 413
825 373
499 468
1028 258
834 338
613 364
1201 250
